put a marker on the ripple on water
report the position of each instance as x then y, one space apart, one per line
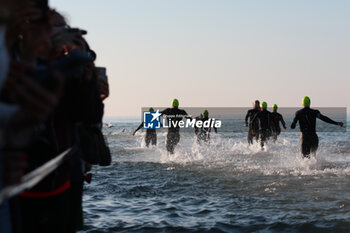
222 187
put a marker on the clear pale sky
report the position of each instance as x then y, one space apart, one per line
217 53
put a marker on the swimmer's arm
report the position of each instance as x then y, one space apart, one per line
328 120
283 122
246 119
186 115
294 123
164 112
138 128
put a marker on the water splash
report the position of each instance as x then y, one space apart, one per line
234 154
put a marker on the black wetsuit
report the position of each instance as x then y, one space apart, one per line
276 129
307 123
173 136
204 135
151 135
265 123
253 130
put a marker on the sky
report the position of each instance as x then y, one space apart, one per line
217 53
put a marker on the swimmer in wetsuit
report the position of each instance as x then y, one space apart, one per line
277 118
253 130
204 134
151 134
174 115
264 119
307 122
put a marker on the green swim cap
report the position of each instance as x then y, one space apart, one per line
206 113
151 110
306 101
175 103
274 107
264 105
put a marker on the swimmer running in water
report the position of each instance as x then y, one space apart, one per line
264 119
277 118
174 115
307 122
151 134
204 134
253 130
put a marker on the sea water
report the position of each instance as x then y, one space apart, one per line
224 186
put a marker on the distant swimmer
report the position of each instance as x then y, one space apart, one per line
277 118
307 123
174 115
151 134
265 122
204 134
253 130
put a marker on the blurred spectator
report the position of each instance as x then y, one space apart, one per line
49 90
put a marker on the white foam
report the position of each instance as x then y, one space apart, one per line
234 154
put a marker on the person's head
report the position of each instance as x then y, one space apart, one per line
34 33
175 103
275 107
264 105
151 109
64 38
256 104
206 113
57 20
306 102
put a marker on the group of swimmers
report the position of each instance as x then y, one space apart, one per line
175 114
262 125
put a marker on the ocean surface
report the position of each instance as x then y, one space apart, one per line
224 186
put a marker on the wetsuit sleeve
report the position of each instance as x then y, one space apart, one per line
283 122
295 120
246 117
326 119
138 128
185 114
165 112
